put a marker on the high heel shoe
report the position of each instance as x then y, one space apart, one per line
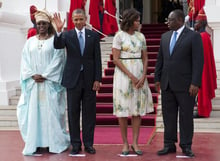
138 152
125 152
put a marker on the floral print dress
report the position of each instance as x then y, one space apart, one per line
127 100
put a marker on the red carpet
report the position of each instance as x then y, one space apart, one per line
109 132
112 135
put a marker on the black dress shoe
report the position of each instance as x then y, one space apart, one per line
38 151
188 152
166 150
75 150
90 150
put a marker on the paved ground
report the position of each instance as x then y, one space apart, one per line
206 147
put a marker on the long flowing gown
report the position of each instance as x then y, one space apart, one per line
127 100
41 108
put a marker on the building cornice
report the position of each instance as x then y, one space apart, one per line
12 18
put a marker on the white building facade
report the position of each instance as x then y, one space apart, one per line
15 21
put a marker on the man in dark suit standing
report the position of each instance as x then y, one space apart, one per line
81 77
178 74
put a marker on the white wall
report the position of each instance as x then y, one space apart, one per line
212 8
14 23
12 39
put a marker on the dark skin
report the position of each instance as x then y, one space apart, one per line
174 23
137 83
42 27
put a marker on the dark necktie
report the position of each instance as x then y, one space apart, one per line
173 42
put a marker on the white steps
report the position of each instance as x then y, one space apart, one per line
106 50
211 124
8 117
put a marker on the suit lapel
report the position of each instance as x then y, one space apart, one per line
76 41
179 39
87 40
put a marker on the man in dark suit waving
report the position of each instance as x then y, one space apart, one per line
82 76
178 74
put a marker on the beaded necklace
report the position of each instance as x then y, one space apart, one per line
41 41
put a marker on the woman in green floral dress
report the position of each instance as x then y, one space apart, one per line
131 94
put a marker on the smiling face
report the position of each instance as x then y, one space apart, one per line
79 20
42 27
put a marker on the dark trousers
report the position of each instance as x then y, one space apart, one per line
172 103
87 98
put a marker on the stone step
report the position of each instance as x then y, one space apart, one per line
8 121
14 100
208 130
11 123
211 124
7 111
200 124
215 104
215 110
106 47
216 100
18 91
217 91
214 107
106 50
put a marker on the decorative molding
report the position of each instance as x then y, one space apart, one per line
215 25
12 18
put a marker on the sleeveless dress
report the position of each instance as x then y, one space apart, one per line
127 100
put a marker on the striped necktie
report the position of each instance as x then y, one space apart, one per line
81 42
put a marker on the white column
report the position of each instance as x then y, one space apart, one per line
12 39
212 9
146 12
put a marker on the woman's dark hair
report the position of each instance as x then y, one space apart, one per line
128 18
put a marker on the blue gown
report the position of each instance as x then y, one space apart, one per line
41 109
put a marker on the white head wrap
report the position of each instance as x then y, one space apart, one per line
43 15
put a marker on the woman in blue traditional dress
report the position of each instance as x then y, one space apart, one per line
131 94
41 108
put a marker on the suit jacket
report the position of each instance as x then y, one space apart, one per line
184 66
91 59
